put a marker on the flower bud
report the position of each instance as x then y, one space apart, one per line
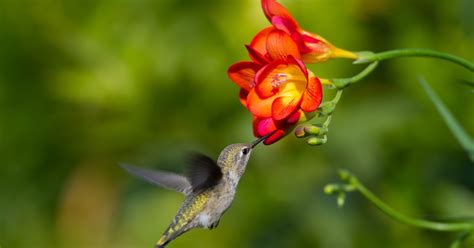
311 129
316 141
300 132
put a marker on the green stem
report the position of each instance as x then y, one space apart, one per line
438 226
341 83
432 225
458 241
367 57
337 97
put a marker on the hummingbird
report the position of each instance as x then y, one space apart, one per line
209 187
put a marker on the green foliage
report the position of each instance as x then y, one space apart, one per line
461 135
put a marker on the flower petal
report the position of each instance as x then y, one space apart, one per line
295 117
299 63
266 78
259 42
283 107
256 56
290 26
280 45
274 137
258 106
243 96
262 127
281 78
271 8
312 96
243 73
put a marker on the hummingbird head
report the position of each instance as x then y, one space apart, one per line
233 159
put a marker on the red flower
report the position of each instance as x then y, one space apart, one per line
313 48
275 85
276 88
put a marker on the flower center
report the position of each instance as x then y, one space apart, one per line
252 83
278 80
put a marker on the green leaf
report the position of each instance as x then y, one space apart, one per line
461 135
461 237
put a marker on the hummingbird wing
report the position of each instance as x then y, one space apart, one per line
164 179
203 172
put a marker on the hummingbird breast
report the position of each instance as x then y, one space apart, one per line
220 199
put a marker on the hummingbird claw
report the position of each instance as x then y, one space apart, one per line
214 225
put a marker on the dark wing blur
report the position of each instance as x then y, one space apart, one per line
164 179
203 172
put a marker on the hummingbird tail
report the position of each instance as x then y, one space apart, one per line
162 242
169 235
162 245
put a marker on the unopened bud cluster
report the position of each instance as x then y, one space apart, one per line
316 134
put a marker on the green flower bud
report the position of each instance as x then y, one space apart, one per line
341 199
314 130
316 141
330 188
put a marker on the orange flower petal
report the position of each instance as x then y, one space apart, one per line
280 45
258 106
243 96
299 63
256 56
312 96
243 73
254 125
283 107
268 76
288 78
259 42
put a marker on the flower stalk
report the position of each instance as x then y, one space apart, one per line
342 83
352 183
367 57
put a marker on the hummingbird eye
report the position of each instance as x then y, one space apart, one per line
246 150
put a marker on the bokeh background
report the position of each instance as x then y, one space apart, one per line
85 85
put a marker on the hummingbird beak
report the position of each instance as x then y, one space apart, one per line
256 142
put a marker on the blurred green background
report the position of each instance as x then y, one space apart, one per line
85 85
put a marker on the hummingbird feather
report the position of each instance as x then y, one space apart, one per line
203 172
164 179
209 186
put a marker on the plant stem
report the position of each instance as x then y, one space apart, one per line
432 225
438 226
337 97
341 83
366 57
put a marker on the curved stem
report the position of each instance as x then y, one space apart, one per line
433 225
344 82
337 97
438 226
366 57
